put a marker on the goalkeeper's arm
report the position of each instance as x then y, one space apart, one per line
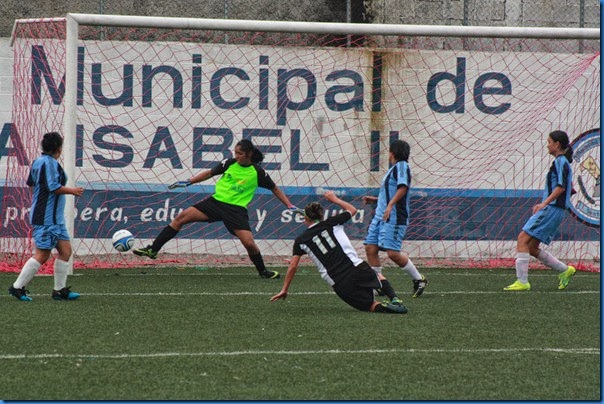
202 176
193 180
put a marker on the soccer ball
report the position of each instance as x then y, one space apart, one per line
123 240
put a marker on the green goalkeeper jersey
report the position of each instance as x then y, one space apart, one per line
238 184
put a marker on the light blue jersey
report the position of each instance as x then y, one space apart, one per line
560 175
397 176
46 176
544 224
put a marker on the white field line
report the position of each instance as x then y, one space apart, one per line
311 272
451 292
578 351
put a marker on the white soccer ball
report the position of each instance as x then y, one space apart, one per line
122 240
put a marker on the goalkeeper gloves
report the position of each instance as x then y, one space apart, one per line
296 209
179 184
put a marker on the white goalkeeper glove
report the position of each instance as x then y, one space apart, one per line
179 184
297 210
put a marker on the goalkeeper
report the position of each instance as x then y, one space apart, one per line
241 176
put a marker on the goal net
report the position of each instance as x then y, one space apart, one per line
159 102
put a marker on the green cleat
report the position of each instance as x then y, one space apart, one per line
565 277
270 275
145 252
518 286
396 301
391 308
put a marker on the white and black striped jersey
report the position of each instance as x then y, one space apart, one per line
329 248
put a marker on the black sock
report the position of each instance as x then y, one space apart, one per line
388 289
258 262
166 235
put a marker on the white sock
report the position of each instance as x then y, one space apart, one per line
29 270
549 260
522 264
412 271
61 272
377 270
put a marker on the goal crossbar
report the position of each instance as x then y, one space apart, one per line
336 28
327 27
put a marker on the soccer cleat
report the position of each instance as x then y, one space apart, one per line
419 286
396 302
145 252
565 277
393 308
270 275
64 294
20 294
518 286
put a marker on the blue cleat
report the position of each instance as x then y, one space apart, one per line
64 294
20 294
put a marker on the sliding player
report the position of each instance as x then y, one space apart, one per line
326 243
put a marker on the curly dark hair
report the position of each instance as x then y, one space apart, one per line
401 150
51 142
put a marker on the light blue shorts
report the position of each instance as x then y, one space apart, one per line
385 235
544 224
47 236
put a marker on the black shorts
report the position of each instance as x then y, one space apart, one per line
356 288
234 217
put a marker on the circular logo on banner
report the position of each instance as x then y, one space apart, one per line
585 204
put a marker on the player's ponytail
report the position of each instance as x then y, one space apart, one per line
314 211
568 153
257 156
247 146
562 138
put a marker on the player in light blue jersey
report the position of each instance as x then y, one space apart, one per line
388 227
47 218
546 217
